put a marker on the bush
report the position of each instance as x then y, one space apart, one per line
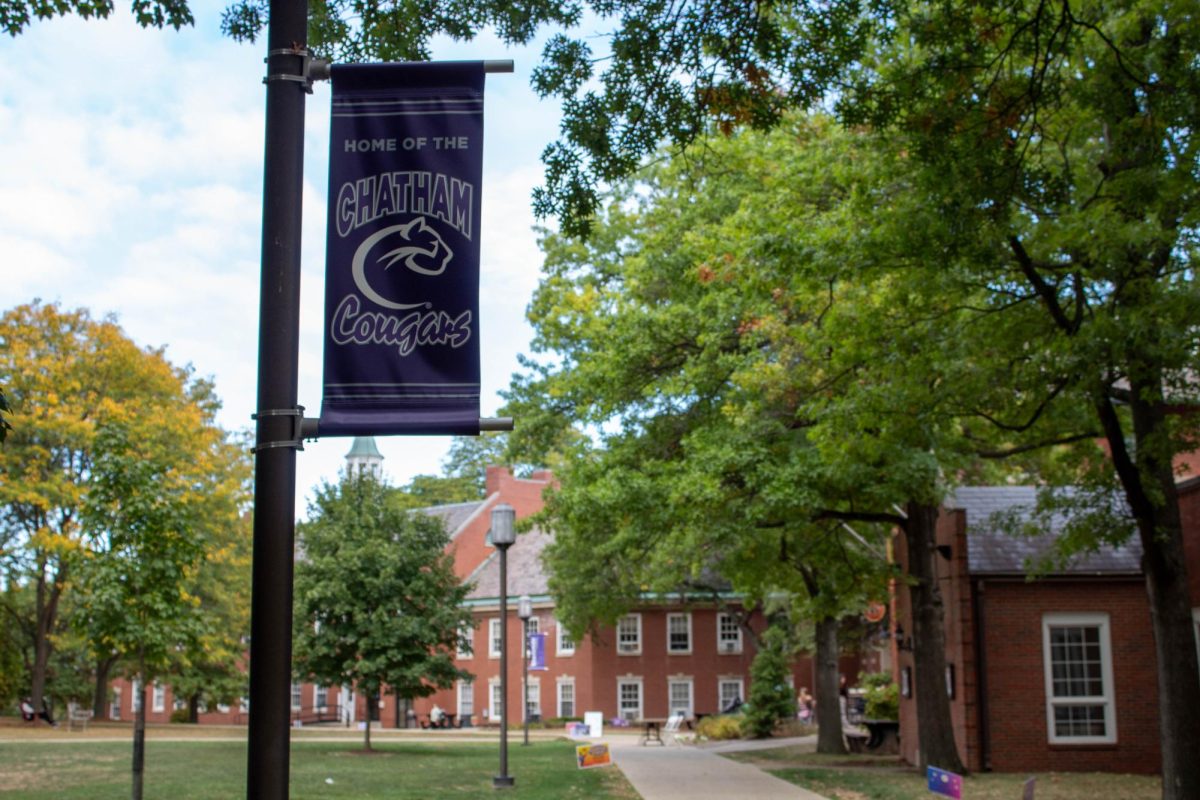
180 715
882 696
724 726
771 700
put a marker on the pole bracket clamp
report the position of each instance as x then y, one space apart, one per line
302 77
297 436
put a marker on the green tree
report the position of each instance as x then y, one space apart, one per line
68 375
212 669
378 605
149 513
17 15
1062 136
771 700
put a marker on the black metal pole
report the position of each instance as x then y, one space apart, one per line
525 677
278 416
503 780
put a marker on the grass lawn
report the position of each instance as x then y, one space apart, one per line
884 778
212 770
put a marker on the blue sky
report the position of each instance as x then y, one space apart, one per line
131 184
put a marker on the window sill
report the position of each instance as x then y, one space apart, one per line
1075 747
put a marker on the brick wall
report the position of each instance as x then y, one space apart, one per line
1012 616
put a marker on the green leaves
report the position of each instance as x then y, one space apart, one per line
16 15
377 601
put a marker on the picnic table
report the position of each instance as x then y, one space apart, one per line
651 731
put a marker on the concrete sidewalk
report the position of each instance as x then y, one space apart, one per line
687 772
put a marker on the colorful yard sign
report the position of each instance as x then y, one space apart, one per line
945 783
593 755
402 252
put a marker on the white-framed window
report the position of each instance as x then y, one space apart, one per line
244 705
629 698
533 699
494 694
629 635
564 644
494 637
729 634
1077 654
566 697
297 696
321 697
680 697
729 691
178 704
679 633
114 708
223 708
466 698
135 702
158 698
466 646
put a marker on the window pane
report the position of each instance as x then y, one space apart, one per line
1076 669
566 699
677 633
630 700
1079 720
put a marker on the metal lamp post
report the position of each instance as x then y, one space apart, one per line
525 611
503 536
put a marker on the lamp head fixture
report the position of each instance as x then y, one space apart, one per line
503 531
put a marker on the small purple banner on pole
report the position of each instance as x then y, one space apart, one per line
537 651
944 783
402 253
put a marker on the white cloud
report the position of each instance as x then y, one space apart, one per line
131 180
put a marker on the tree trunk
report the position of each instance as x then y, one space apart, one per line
371 698
139 739
935 729
194 709
1150 490
48 592
829 710
100 695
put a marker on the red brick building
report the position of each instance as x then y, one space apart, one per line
1056 673
669 654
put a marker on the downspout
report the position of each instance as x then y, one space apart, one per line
985 738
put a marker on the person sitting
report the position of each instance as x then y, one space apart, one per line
804 703
27 711
45 713
437 716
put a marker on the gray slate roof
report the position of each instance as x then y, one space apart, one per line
453 514
992 550
525 572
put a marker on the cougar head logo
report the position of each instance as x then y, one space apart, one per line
413 245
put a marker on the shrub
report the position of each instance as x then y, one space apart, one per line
724 726
180 715
882 696
771 700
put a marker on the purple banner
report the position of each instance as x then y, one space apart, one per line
537 651
402 259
